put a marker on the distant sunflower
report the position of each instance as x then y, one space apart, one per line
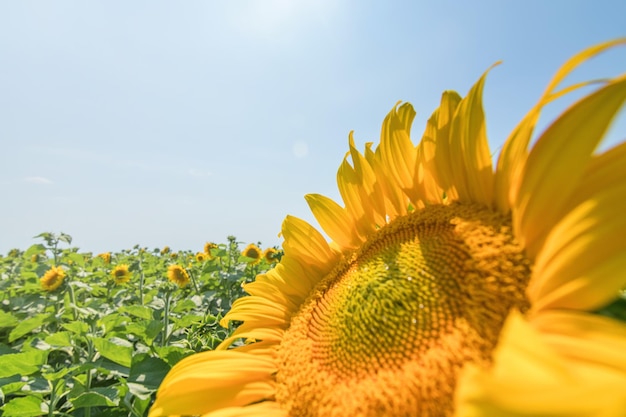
253 252
178 275
165 250
201 257
121 274
449 288
208 246
53 278
106 257
270 255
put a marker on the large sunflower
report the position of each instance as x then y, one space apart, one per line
448 288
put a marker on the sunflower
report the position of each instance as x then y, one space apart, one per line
270 255
178 275
165 250
253 252
121 274
201 256
449 287
53 278
208 246
106 257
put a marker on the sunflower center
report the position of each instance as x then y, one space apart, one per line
387 332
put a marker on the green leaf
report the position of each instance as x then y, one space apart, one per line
34 249
77 258
97 397
27 326
24 363
141 312
77 327
173 354
7 320
188 320
29 406
59 339
64 237
184 305
148 371
146 330
112 321
10 385
114 352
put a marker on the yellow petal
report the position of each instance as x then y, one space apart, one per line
514 152
582 263
443 153
557 162
305 243
396 202
397 150
579 336
264 409
529 378
368 205
335 221
257 310
469 150
432 193
605 170
208 381
252 331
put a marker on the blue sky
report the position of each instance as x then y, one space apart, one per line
175 123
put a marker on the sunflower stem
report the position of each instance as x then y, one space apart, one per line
141 279
193 280
166 314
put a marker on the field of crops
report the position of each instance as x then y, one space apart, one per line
94 335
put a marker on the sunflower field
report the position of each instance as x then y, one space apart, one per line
94 335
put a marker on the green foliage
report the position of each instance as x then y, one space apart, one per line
92 347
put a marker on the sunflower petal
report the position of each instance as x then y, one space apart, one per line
265 409
334 219
604 171
370 209
557 162
397 150
396 202
305 243
529 378
257 310
582 263
432 193
469 150
585 337
208 381
443 116
514 152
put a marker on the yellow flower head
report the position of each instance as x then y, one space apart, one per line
165 250
270 255
253 252
121 274
450 287
106 257
208 246
178 275
201 256
53 278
